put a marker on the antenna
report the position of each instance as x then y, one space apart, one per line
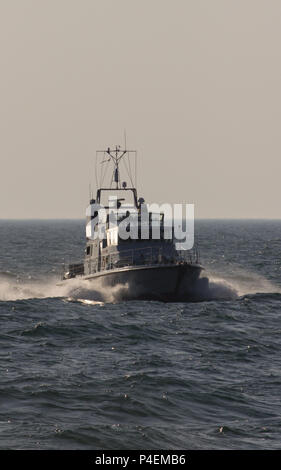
115 155
125 139
91 194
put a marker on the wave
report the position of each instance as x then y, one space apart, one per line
211 286
73 289
233 285
263 296
249 282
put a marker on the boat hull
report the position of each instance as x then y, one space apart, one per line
164 283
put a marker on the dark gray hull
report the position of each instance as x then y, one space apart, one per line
165 282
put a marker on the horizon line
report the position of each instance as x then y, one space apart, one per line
83 219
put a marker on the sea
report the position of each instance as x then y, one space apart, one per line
84 370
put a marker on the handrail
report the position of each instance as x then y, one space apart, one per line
134 257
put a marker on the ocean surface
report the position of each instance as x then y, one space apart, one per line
78 372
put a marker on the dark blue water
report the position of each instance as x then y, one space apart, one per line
131 375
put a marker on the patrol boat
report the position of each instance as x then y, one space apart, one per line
143 267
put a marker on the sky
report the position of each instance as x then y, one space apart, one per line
194 83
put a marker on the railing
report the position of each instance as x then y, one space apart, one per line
140 257
134 257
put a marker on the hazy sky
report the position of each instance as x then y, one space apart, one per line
195 83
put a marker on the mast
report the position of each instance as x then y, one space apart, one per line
115 156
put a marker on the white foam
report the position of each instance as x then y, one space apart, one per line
14 289
228 285
244 281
